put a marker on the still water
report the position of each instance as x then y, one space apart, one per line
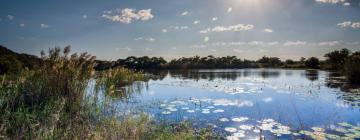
252 103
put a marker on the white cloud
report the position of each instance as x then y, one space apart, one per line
197 46
234 28
255 43
272 43
229 10
139 38
148 49
346 4
219 44
196 22
352 43
178 27
123 49
84 16
150 39
329 43
128 15
184 27
214 19
349 24
238 50
10 17
206 39
331 1
267 30
295 43
164 30
22 25
44 25
343 2
185 13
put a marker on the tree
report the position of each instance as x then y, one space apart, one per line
336 59
269 61
302 59
289 62
312 62
352 68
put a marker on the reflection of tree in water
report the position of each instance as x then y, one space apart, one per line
350 94
157 74
335 80
126 93
196 75
312 75
228 75
269 73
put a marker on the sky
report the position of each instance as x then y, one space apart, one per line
113 29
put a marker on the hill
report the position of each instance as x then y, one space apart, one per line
12 62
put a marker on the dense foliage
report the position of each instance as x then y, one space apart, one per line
352 67
312 62
336 59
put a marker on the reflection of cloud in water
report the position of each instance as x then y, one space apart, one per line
238 103
268 99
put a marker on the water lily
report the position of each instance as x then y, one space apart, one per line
240 119
224 119
230 129
218 111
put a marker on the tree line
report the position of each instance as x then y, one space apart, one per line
342 60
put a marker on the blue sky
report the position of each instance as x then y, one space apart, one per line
112 29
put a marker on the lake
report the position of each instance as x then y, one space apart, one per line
249 103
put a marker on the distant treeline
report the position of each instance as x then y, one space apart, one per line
343 60
334 60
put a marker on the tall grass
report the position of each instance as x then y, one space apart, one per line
51 102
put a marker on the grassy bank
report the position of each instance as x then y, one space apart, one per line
51 102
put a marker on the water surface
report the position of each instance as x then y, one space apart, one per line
250 103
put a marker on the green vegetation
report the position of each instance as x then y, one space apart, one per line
51 102
312 62
336 59
352 68
12 63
